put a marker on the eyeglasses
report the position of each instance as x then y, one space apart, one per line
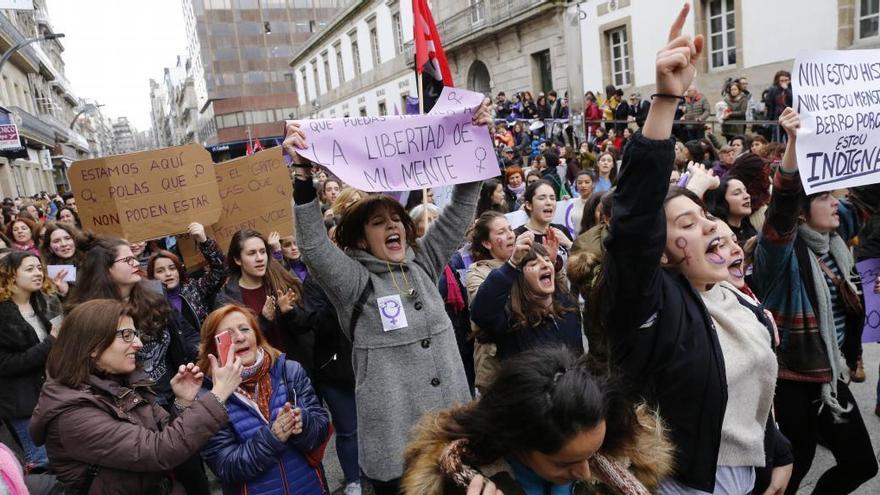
128 260
128 334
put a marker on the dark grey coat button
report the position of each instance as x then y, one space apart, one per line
418 305
435 381
426 343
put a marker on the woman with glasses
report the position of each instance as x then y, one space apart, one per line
275 419
100 421
112 271
27 308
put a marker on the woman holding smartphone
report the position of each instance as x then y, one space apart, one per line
275 420
99 418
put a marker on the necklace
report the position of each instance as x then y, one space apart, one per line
531 226
411 292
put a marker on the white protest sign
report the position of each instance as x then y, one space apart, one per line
837 94
406 152
562 216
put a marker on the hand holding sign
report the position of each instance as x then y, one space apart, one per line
835 93
294 139
790 122
407 152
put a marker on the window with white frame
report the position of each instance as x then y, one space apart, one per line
869 18
618 51
337 49
325 57
398 32
305 83
355 53
374 42
315 77
477 13
722 33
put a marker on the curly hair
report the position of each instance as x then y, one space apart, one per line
10 264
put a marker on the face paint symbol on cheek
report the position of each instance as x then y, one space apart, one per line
681 243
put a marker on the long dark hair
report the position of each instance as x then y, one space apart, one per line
716 203
524 308
276 277
484 204
481 233
150 310
80 240
538 402
596 306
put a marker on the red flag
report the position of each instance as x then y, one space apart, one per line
258 146
430 58
248 150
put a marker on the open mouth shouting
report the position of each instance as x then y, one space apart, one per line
546 278
713 253
392 242
735 268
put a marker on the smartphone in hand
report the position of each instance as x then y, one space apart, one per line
224 343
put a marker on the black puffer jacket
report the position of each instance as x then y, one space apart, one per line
23 356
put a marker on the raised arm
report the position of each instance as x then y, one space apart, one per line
637 236
111 444
776 239
341 277
445 235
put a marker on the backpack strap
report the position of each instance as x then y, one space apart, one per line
359 308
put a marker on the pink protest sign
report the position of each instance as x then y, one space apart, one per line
869 270
406 152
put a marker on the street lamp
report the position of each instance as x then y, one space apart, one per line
19 46
87 108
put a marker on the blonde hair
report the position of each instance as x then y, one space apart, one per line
347 197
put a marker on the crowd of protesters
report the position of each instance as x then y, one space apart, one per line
694 330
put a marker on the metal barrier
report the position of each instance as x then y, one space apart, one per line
554 127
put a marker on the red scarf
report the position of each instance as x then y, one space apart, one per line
258 387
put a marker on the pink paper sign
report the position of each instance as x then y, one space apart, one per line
869 270
405 152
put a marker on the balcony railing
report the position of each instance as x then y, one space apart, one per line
479 15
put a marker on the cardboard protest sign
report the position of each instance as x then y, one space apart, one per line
405 152
869 270
146 195
255 193
837 94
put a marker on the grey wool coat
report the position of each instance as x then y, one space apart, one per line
400 373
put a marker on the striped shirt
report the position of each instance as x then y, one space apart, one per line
837 307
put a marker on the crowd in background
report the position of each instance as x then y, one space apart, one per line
693 329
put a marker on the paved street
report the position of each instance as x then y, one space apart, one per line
864 392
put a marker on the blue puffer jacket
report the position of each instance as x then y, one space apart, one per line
247 457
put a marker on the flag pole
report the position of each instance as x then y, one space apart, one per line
421 91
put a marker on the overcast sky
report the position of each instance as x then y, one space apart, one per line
114 47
